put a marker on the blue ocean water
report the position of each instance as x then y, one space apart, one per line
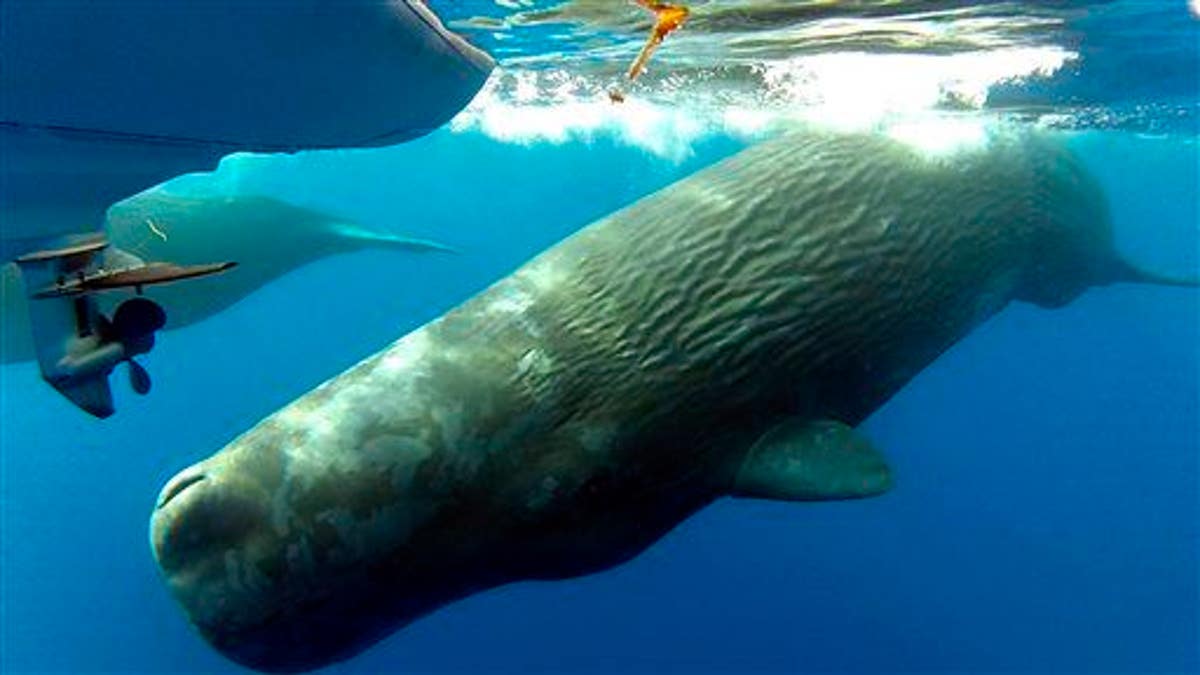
1047 508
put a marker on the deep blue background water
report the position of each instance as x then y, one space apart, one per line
1046 514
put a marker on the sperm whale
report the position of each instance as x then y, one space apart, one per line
721 337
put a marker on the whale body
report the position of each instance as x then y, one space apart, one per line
721 337
267 237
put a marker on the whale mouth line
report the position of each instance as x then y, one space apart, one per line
177 486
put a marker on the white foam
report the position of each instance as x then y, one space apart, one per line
661 130
847 90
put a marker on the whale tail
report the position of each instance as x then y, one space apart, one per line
1126 272
366 238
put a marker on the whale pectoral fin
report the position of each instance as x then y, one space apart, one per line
812 460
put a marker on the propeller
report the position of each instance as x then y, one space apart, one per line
134 324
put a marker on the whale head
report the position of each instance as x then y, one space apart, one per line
286 558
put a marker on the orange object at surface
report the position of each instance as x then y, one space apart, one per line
667 19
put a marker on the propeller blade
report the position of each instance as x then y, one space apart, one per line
139 378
